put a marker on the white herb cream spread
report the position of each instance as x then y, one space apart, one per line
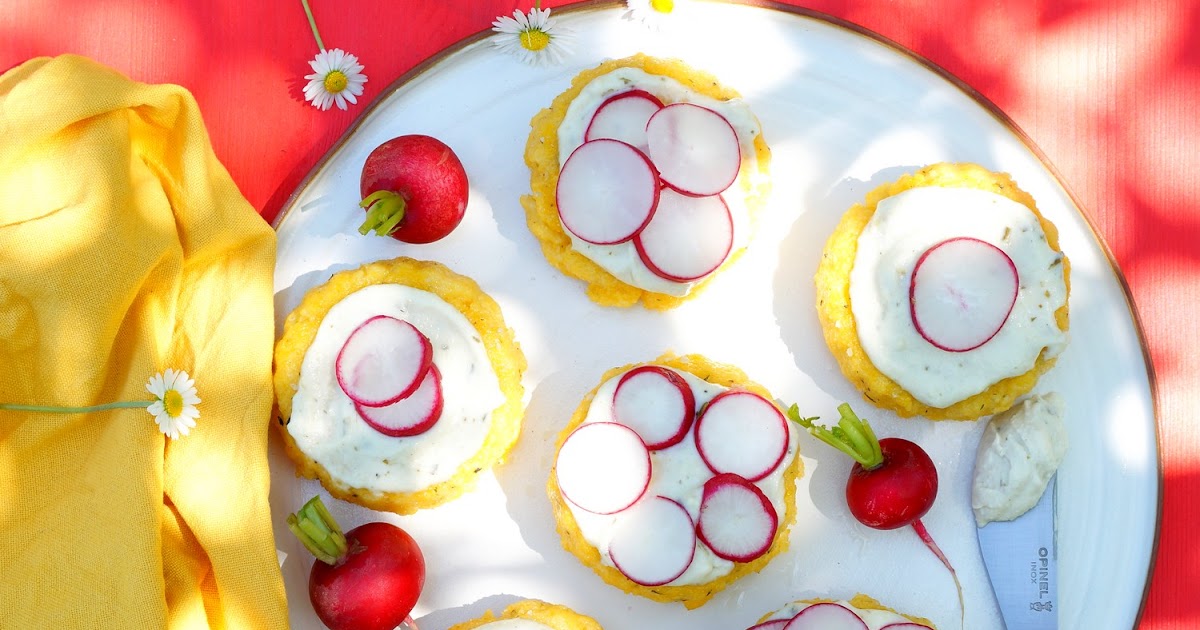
906 225
875 619
678 473
1018 454
514 624
326 427
621 260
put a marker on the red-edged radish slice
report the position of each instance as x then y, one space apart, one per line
774 624
905 625
962 291
383 361
408 416
736 521
607 192
654 542
657 403
743 433
603 467
826 616
688 237
623 117
694 148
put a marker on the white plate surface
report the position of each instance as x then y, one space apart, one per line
842 113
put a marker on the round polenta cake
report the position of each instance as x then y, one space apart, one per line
862 605
717 377
550 616
542 156
327 439
842 332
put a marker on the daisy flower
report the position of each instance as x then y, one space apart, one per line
337 77
534 37
653 13
175 407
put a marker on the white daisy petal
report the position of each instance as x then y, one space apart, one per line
325 63
504 24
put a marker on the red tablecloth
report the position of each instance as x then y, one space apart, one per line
1109 89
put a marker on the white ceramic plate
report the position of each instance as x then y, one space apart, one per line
843 112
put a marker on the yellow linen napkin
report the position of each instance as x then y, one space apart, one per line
126 249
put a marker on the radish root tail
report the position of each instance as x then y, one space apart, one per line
923 533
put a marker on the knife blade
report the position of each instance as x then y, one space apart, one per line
1022 563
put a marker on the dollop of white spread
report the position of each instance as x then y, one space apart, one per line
515 624
621 260
326 427
1018 454
903 227
875 619
679 473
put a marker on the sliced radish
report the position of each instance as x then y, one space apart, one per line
742 433
826 616
409 416
653 543
774 624
383 361
737 521
657 403
603 467
623 117
694 148
688 237
607 192
962 291
905 625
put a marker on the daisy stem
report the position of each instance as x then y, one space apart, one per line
127 404
312 23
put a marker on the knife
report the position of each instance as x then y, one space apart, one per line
1021 561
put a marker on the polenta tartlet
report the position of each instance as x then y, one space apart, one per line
531 614
686 213
675 478
859 612
374 452
944 294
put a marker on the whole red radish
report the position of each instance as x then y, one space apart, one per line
893 482
366 579
414 189
897 491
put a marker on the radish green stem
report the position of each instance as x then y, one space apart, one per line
852 435
385 210
318 531
923 533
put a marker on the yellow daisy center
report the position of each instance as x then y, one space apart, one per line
662 6
335 82
173 403
534 40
